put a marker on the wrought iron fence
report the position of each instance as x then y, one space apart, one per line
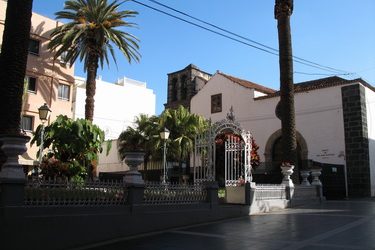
159 193
68 193
270 191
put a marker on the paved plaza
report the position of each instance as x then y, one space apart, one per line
331 225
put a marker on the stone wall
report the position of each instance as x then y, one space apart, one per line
356 141
182 86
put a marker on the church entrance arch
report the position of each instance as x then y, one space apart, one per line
223 153
273 157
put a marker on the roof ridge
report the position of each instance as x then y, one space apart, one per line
247 84
321 83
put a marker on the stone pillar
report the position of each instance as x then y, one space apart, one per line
249 193
305 174
315 173
287 172
12 177
357 152
212 193
135 193
133 160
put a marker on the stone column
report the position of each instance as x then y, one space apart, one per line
305 174
133 181
133 160
287 172
357 147
12 177
212 193
315 173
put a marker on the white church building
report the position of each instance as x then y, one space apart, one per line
335 123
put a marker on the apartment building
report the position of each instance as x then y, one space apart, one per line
47 80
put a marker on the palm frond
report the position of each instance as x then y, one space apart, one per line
94 28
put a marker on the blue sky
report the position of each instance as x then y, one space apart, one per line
335 33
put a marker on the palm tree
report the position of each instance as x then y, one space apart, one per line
183 127
13 59
283 11
90 35
149 127
144 137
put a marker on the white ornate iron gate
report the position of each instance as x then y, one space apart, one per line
237 153
236 161
204 157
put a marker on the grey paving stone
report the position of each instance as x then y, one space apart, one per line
332 225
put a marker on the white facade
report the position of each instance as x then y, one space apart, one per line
110 162
319 117
116 104
370 109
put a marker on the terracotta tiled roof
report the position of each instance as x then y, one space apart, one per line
320 84
248 84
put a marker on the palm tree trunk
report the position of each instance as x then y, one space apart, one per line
283 11
91 86
13 60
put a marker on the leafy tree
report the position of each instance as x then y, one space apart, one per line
286 112
131 140
183 127
73 145
144 137
13 59
93 28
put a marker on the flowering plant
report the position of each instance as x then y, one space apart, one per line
241 181
286 164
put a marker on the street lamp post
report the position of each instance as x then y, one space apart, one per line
43 116
164 135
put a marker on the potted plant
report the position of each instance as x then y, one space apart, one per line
287 170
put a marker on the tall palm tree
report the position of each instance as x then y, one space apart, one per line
89 35
283 11
183 126
13 59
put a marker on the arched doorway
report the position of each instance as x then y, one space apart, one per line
273 157
277 158
230 159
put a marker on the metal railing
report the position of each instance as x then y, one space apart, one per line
68 193
270 192
158 193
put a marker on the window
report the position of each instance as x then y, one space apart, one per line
63 59
33 46
183 87
27 122
64 92
31 84
174 90
216 103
